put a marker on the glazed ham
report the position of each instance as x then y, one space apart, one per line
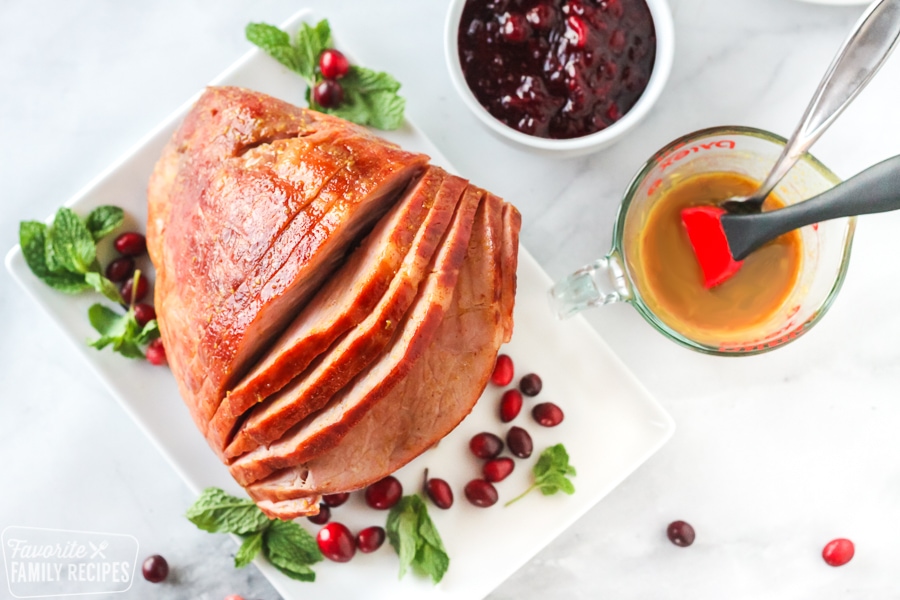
313 281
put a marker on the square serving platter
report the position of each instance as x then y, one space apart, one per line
612 423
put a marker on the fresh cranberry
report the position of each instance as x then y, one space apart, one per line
334 500
144 313
481 493
531 384
333 64
155 569
680 533
838 552
323 517
510 405
134 293
503 371
440 493
120 269
370 539
519 442
547 414
156 353
336 542
498 469
384 494
486 445
131 243
328 93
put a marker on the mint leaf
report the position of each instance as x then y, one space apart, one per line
292 569
551 473
103 220
415 539
293 543
277 44
217 512
310 41
32 239
370 98
72 245
119 330
104 286
248 550
149 333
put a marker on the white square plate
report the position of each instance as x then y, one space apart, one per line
612 424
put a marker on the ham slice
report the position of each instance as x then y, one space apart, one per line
310 390
252 206
436 394
349 296
323 430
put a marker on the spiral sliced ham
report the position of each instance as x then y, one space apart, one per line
330 305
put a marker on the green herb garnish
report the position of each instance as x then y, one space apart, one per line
370 97
289 547
415 538
122 331
64 254
551 473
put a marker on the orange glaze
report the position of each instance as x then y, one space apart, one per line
672 277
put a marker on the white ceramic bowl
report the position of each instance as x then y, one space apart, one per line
665 45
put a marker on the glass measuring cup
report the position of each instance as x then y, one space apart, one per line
618 276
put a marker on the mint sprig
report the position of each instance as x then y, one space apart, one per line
415 538
64 254
289 547
551 473
121 331
370 97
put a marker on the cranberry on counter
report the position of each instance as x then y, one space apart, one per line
440 492
481 493
120 269
328 93
334 500
323 517
531 384
838 552
134 293
510 405
155 568
519 442
503 371
385 493
336 542
370 539
498 469
557 68
333 64
144 313
547 414
131 243
156 353
680 533
486 445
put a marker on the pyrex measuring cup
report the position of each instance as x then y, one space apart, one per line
618 277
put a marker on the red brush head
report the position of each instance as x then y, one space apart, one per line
704 228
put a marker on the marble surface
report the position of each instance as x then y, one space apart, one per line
774 455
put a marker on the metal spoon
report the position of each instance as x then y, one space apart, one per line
864 51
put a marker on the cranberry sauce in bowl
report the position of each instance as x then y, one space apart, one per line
557 68
560 75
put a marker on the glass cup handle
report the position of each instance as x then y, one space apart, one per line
597 284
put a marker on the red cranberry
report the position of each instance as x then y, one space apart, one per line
547 414
498 469
838 552
481 493
510 405
333 64
120 269
134 293
334 500
486 445
531 385
328 93
370 539
155 568
440 493
323 517
541 16
156 353
144 313
336 542
384 494
514 28
503 371
577 31
131 243
519 442
680 533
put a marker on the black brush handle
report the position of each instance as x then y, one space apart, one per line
875 190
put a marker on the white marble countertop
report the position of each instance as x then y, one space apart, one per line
774 455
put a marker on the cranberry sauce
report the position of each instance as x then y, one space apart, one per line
557 68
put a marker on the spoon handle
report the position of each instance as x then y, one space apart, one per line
875 190
864 51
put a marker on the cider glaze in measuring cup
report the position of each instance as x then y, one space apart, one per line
619 277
